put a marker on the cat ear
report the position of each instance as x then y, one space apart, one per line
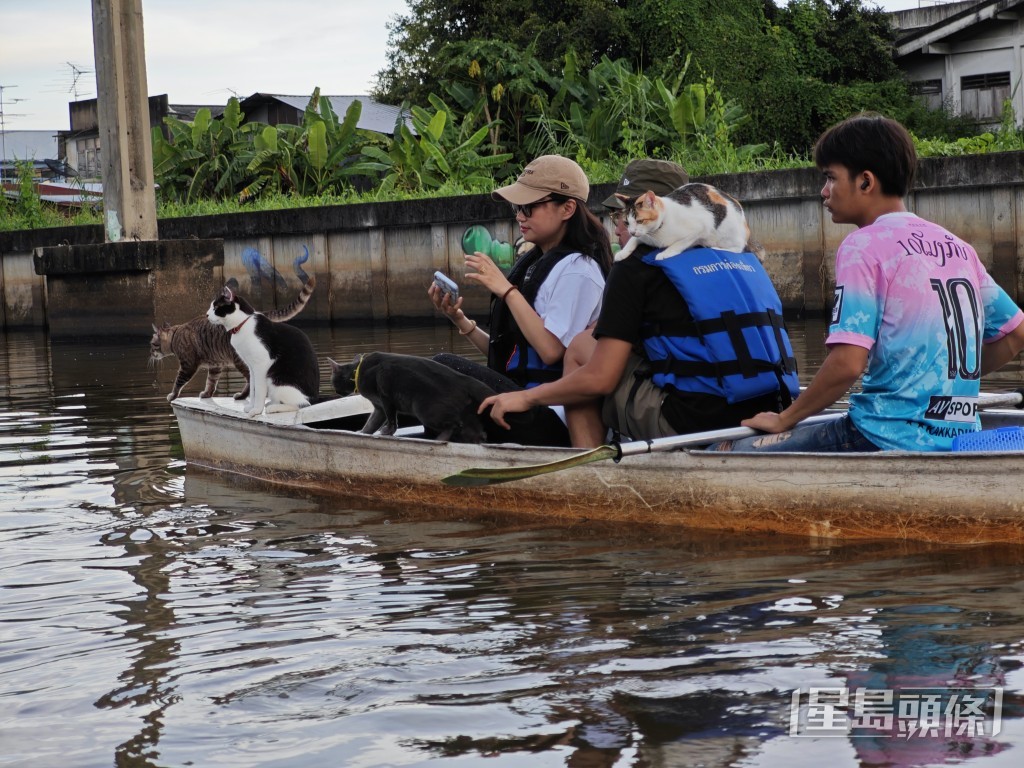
334 365
622 197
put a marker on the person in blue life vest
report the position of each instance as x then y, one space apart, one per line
551 294
916 315
691 343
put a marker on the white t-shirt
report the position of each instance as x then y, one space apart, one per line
569 299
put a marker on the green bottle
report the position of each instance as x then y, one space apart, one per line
477 238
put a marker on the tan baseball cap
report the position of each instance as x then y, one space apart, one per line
548 174
658 176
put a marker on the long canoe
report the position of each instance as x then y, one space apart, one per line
962 497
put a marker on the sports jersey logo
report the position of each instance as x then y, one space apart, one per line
949 408
837 305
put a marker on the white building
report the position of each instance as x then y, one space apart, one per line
966 55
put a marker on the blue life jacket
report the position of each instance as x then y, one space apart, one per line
736 346
505 351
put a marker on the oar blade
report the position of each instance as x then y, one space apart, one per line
475 477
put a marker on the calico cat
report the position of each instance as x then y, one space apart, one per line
444 401
199 344
281 359
693 214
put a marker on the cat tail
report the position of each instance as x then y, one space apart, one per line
297 305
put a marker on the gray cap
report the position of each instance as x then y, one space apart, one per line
658 176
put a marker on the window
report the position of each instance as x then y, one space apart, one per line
983 95
929 92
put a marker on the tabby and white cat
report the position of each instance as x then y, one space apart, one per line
199 344
693 214
283 371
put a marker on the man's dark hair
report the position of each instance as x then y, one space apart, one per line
870 142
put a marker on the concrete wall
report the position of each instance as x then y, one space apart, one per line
374 261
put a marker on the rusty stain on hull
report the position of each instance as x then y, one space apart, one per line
690 506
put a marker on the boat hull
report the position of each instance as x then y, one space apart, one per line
941 497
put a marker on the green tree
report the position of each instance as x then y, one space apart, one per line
417 60
497 85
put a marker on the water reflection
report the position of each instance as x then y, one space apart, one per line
153 615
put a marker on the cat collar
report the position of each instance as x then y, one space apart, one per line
238 327
355 376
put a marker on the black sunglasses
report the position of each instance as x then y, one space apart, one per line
527 210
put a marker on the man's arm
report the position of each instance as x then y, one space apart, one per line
840 371
598 377
997 354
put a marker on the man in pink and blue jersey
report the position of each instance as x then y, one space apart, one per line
915 311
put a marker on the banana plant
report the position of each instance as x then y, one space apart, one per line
433 153
328 148
204 158
703 118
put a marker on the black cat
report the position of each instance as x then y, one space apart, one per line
442 400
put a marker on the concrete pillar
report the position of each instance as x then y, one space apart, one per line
129 198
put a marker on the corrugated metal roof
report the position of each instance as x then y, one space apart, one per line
31 145
374 116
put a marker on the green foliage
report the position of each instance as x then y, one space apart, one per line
437 153
203 158
418 56
26 210
1009 137
496 84
27 206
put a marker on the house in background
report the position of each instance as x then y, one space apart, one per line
81 145
966 55
41 148
274 109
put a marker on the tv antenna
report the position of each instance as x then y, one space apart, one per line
3 126
76 75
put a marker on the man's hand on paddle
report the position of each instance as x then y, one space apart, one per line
767 421
510 402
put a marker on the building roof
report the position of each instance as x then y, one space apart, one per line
29 145
375 116
928 30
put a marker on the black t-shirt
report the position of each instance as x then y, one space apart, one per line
638 295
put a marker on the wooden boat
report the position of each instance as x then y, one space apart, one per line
961 497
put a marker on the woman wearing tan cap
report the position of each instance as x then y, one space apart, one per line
551 294
611 378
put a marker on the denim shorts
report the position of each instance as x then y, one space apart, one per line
836 436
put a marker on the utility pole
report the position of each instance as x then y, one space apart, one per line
86 283
129 197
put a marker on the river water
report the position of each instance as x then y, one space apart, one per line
154 615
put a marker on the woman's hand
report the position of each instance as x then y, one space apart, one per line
443 302
480 269
509 402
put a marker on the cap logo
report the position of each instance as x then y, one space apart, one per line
563 185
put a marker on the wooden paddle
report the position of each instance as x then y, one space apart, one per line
479 476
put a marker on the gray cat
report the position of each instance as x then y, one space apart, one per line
442 400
